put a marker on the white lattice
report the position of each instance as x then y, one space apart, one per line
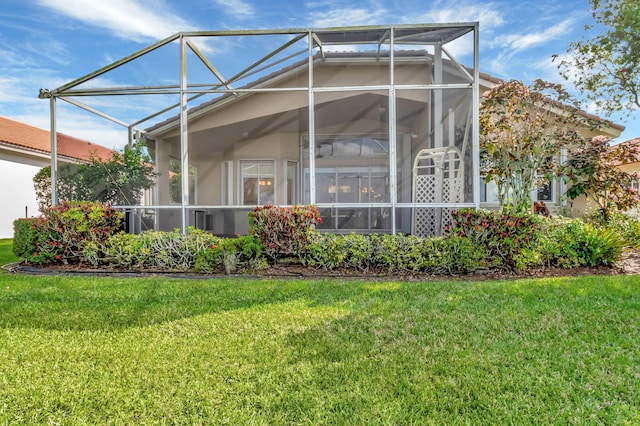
437 178
425 186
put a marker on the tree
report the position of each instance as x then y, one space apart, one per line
118 180
522 132
594 171
607 66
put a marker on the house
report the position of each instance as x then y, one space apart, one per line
377 126
24 150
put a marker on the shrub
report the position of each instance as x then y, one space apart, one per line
509 239
228 254
157 250
570 243
325 251
332 251
196 250
399 252
61 234
453 255
625 226
284 231
27 238
395 253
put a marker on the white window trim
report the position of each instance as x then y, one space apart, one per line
295 191
226 196
241 182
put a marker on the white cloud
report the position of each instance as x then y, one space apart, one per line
13 91
346 16
126 19
12 59
51 50
489 15
520 42
237 8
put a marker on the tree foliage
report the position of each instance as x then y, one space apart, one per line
118 180
594 171
522 132
607 66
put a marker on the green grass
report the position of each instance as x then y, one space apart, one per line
77 350
156 350
6 252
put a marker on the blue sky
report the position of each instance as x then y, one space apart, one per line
47 43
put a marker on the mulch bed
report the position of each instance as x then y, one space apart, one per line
628 264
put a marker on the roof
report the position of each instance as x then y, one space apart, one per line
274 76
320 57
634 145
34 139
632 142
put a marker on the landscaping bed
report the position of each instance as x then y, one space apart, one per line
78 238
628 264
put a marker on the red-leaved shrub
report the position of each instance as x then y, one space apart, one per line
284 231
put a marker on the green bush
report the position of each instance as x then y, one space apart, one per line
284 231
27 239
626 226
157 250
62 233
570 243
333 251
509 239
196 250
325 251
453 255
399 252
395 253
229 254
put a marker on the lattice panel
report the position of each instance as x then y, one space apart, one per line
425 221
445 219
425 189
451 191
437 179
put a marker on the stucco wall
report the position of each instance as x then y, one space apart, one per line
17 194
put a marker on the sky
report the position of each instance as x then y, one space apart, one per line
48 43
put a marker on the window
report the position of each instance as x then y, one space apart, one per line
488 192
350 147
352 185
545 192
258 182
175 182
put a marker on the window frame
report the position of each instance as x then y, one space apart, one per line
241 176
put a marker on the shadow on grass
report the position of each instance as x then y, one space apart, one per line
83 303
72 303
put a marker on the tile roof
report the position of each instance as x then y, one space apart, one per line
30 138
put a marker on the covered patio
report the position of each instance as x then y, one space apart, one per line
377 126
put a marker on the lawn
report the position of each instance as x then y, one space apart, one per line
155 350
6 252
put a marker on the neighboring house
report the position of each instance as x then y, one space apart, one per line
24 150
377 126
633 167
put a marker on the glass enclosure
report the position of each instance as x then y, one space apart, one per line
376 126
